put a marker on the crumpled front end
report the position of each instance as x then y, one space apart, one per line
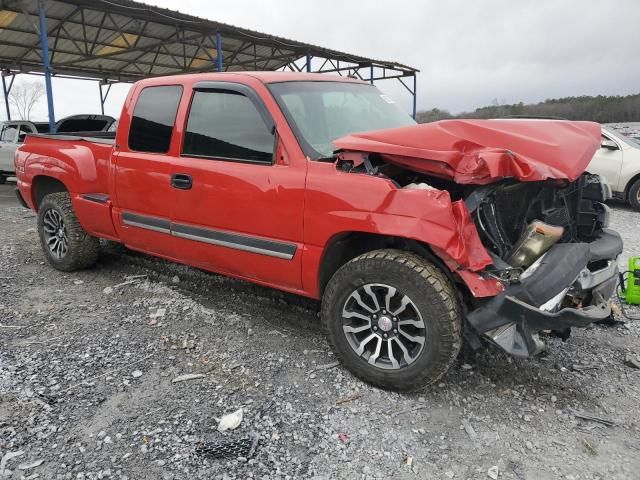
554 253
541 220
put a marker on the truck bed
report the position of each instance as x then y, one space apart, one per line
107 138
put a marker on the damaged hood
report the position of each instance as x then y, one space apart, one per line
484 151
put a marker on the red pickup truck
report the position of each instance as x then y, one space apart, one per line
415 237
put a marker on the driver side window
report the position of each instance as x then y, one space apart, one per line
225 125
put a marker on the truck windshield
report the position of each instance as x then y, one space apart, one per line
320 112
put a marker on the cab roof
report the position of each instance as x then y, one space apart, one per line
264 77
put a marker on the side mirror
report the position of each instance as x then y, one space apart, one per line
609 145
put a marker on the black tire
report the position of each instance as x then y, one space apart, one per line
82 249
3 179
431 293
634 195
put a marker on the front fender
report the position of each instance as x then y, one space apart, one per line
339 202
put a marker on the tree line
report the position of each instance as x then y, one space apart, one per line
602 109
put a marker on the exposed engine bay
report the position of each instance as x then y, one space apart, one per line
518 222
550 246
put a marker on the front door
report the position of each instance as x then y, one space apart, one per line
238 197
143 171
607 162
9 134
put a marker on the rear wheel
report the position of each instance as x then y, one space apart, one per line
393 319
3 179
64 242
634 194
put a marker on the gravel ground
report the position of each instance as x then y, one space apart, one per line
88 359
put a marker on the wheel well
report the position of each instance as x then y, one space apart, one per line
43 186
347 246
628 186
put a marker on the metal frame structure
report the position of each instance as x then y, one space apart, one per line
123 41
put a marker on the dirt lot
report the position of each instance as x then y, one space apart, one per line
87 362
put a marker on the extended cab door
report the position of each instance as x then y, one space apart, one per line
142 170
238 194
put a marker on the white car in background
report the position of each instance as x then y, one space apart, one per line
618 161
11 137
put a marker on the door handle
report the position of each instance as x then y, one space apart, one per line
181 181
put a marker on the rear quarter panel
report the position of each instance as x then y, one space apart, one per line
82 166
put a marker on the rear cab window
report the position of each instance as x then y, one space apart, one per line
23 131
153 119
226 125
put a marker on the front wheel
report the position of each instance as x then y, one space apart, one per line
64 242
393 319
634 195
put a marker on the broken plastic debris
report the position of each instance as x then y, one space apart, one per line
244 447
632 361
493 472
130 279
188 376
230 421
469 429
343 437
28 466
326 366
8 456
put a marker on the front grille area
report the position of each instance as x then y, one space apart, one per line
509 207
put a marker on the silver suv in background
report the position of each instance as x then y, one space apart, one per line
618 161
12 135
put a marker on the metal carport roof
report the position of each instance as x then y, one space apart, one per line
123 40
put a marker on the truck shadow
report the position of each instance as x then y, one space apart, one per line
213 289
488 370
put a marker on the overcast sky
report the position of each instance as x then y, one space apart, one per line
468 52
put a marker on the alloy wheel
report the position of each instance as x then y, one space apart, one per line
55 233
383 326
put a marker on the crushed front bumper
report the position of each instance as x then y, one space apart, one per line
581 270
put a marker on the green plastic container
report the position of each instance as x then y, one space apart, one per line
632 291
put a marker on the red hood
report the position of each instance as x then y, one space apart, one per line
483 151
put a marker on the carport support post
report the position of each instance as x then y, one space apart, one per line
371 75
44 45
219 51
308 61
6 97
103 95
415 95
